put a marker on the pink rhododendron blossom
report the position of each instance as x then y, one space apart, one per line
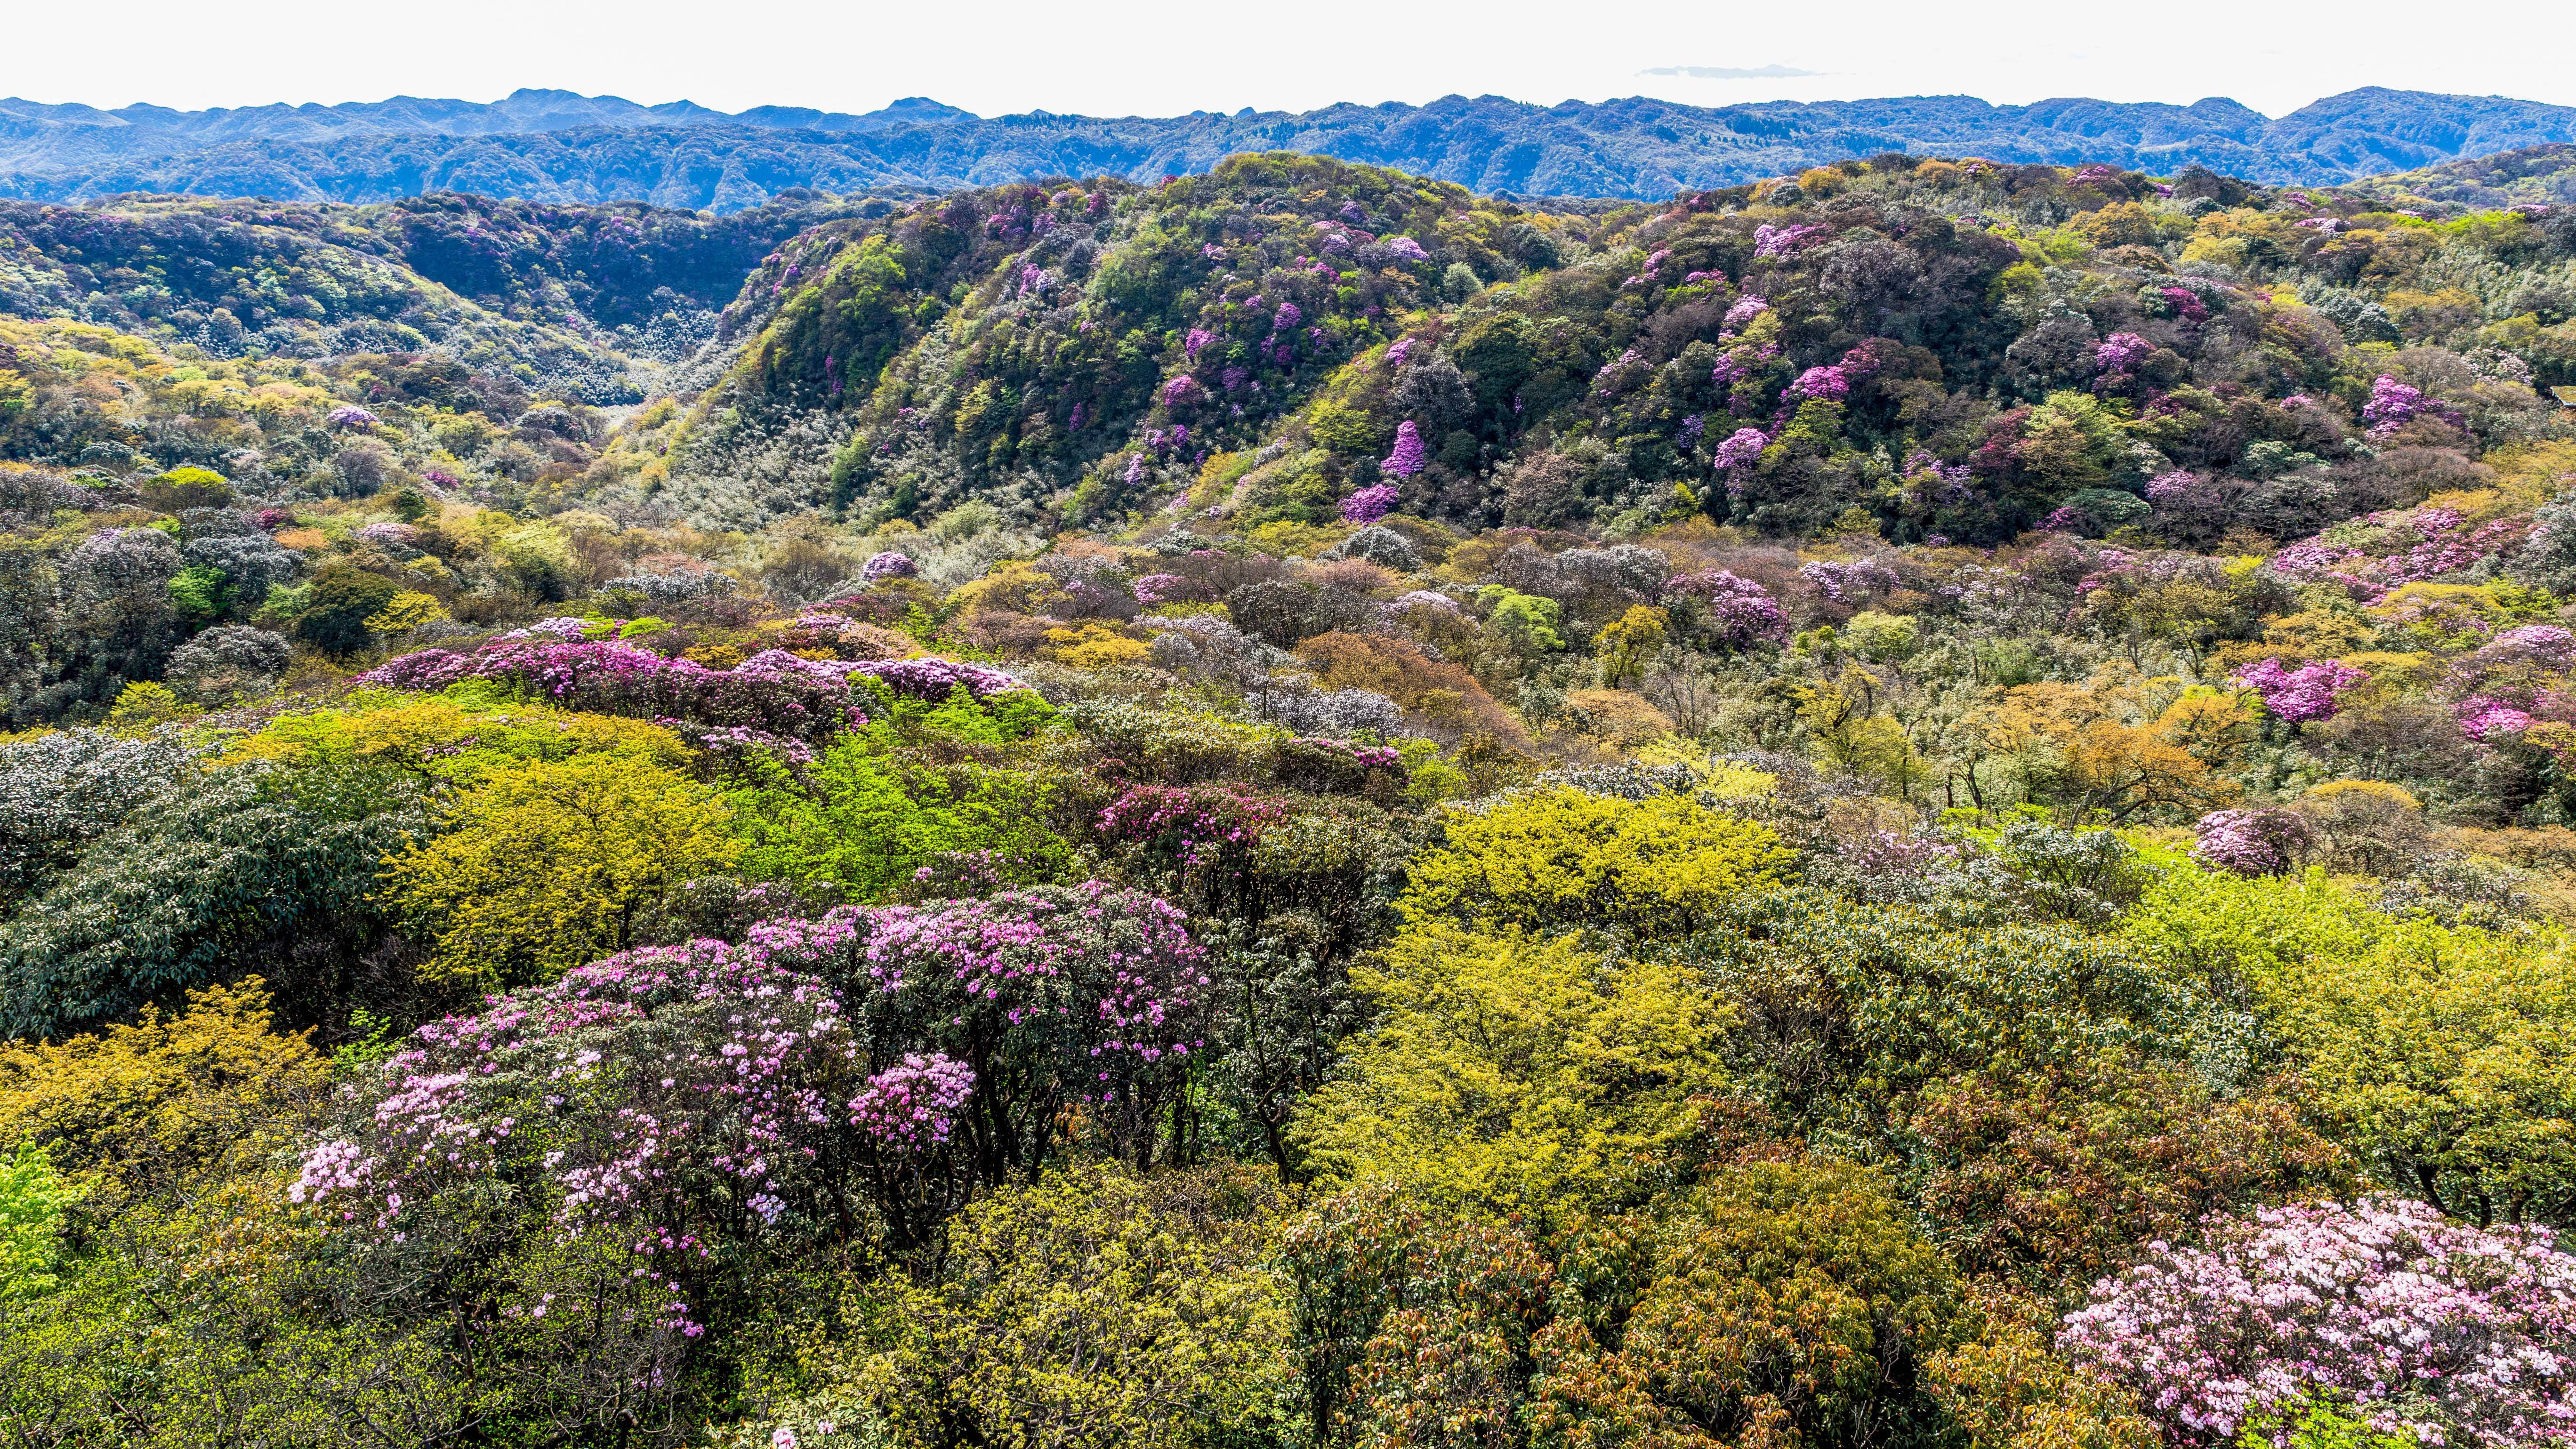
1408 458
2251 842
2439 1332
2303 694
1374 502
888 565
1739 611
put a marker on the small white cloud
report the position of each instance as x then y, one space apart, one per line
1724 72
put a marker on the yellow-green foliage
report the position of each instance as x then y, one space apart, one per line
32 1200
2445 1059
2211 926
546 862
1515 1071
452 741
1088 1308
139 1109
1563 857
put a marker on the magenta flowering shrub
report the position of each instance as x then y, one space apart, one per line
350 415
661 1105
1746 308
888 565
2445 1333
2393 404
1740 612
1407 249
1407 459
608 677
1846 583
1739 448
913 1103
935 679
1825 384
1162 588
1330 766
2120 352
2522 669
2251 842
1780 241
1376 501
2484 720
1089 999
2302 694
1198 827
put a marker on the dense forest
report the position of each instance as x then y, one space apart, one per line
1925 805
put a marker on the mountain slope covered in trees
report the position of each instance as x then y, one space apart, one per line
1930 805
553 146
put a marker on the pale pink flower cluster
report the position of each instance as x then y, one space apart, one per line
2437 1331
2302 694
913 1104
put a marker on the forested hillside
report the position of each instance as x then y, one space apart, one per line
1924 806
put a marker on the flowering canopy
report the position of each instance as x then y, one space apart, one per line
1372 503
2451 1333
2302 694
1407 459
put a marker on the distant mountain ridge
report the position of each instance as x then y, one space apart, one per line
558 146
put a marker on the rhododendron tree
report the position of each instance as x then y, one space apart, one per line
706 1107
2303 694
1738 611
1376 501
1845 582
1087 1000
2436 1331
608 677
2394 404
2251 842
1407 459
888 565
1825 384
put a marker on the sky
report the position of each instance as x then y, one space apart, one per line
1164 57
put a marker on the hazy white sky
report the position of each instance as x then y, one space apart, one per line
1161 57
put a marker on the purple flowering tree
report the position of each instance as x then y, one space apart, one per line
1081 1006
1846 583
608 677
2436 1332
2393 404
888 565
1407 459
2120 353
1376 501
645 1141
620 1157
1740 612
1824 384
2302 694
2264 841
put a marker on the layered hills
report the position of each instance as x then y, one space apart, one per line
556 146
